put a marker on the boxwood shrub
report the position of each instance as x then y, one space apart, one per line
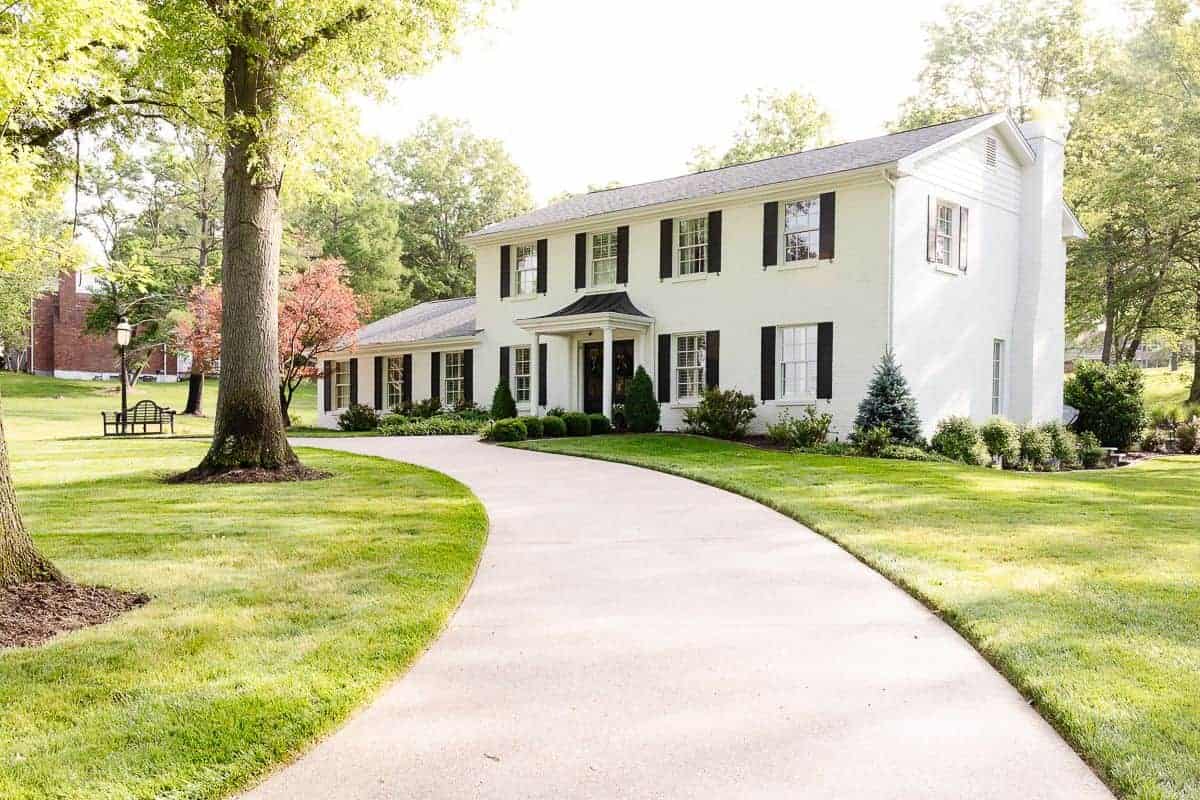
533 427
507 430
553 426
958 438
599 424
578 423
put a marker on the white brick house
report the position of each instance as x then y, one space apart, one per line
785 278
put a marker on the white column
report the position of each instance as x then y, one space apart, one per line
533 376
608 370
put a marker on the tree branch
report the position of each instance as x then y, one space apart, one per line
331 31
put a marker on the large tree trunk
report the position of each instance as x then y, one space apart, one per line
248 431
195 399
1194 393
19 559
285 403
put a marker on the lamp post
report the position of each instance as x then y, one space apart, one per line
124 331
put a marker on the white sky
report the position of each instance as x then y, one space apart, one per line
588 91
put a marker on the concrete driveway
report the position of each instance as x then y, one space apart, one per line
636 635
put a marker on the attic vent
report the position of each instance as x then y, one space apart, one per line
989 151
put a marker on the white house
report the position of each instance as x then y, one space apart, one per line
786 278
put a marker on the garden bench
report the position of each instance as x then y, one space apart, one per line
146 415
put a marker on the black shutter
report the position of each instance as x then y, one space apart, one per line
623 254
435 375
504 365
468 367
379 380
581 261
543 351
666 245
328 385
828 216
770 234
825 361
542 255
714 241
712 359
353 381
505 270
406 380
664 368
768 363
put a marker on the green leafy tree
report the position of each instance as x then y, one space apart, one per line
776 123
889 403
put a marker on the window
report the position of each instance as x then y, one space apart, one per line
394 386
998 376
604 258
944 233
526 280
693 245
452 371
341 384
797 351
802 229
520 374
689 366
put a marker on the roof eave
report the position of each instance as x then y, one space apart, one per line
1009 131
377 348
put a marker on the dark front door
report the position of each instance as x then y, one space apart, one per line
593 373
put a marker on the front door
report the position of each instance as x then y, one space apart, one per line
593 373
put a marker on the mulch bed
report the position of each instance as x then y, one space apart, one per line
32 613
297 472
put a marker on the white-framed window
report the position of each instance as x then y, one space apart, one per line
394 381
341 384
943 243
689 366
604 258
802 229
525 278
797 368
692 245
520 374
452 377
998 376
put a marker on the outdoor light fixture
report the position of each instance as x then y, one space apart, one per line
124 332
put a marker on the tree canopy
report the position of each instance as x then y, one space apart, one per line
775 123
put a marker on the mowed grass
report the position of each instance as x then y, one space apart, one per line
276 611
1166 390
1083 588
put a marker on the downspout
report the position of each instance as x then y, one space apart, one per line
891 259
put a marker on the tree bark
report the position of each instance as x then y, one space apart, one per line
285 402
248 431
1110 316
195 398
1194 393
20 561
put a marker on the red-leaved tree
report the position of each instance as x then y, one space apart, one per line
199 333
318 311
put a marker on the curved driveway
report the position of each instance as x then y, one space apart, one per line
636 635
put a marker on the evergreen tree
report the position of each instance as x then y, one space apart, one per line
503 405
888 403
641 407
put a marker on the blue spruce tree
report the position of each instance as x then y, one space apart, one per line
889 403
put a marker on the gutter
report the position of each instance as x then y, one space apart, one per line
891 259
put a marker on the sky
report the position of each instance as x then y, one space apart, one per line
591 91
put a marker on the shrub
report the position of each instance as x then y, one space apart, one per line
1091 453
889 403
1064 445
534 427
577 423
503 405
1036 449
442 425
907 452
557 411
473 413
1166 417
424 409
1001 438
641 406
829 449
957 438
809 430
871 441
1186 434
1109 401
725 414
1153 441
358 418
507 430
553 425
599 424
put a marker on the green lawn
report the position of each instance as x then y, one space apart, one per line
1166 389
1083 588
276 610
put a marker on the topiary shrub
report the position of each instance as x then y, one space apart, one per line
957 438
1186 434
577 423
642 412
553 426
1036 450
1064 444
871 441
1002 439
599 424
1091 452
889 403
534 427
1109 401
807 431
507 430
358 418
503 405
725 414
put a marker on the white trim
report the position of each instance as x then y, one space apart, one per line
386 348
781 226
702 344
591 262
577 322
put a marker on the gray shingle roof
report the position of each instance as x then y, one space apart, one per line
780 169
437 319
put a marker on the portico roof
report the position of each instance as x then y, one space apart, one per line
604 308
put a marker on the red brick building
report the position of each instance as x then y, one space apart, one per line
61 346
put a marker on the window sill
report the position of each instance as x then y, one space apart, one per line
947 270
521 298
699 276
810 264
608 287
793 401
685 404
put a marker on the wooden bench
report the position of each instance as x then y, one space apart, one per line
145 417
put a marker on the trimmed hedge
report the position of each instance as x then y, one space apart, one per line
399 425
578 423
533 427
507 430
553 426
958 438
599 424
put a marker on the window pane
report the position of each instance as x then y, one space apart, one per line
604 258
693 245
521 374
526 269
802 229
395 382
797 361
689 366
